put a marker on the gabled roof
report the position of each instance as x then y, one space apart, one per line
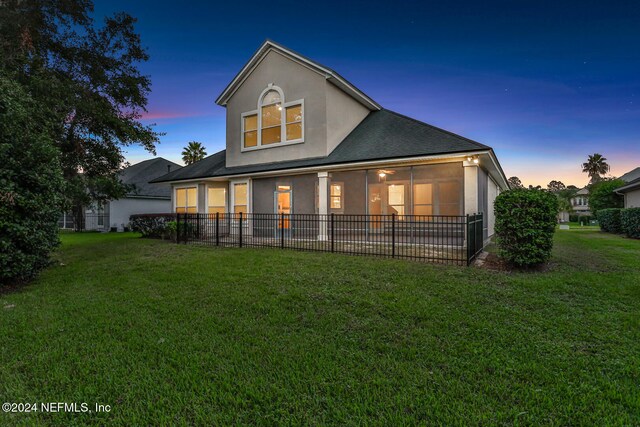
382 135
141 173
630 186
631 175
329 74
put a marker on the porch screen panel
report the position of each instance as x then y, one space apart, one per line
389 191
354 194
438 189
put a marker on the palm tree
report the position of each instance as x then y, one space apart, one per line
596 166
193 152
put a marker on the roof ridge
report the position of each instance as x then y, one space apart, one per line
479 144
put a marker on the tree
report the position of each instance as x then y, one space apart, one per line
85 77
602 195
514 182
30 181
555 186
595 166
193 152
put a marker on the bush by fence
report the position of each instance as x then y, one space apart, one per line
525 223
609 220
154 225
630 222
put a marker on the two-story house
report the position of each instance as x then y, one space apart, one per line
301 139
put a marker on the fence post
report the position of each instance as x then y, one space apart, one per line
471 236
393 235
240 231
332 231
217 228
281 231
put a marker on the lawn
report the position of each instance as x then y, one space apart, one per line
170 334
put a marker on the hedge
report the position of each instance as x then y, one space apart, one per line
609 220
525 223
630 222
154 225
30 183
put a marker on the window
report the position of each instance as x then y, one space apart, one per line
335 195
274 122
186 200
216 200
240 198
396 199
250 130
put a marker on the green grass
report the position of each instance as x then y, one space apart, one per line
170 334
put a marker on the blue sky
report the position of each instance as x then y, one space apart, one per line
544 83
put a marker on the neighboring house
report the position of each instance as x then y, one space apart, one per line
580 202
144 198
300 139
631 190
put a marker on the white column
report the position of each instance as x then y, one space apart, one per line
470 188
323 203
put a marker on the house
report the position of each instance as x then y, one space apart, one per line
301 139
580 202
144 197
631 190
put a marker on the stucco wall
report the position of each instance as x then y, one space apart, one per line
297 82
632 199
121 210
492 193
329 114
343 114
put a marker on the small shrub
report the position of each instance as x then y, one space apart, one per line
609 220
152 225
630 222
525 223
574 218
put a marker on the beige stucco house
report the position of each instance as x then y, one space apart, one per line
301 139
631 190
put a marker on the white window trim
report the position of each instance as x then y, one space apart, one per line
232 195
175 196
226 198
283 122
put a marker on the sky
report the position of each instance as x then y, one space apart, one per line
545 83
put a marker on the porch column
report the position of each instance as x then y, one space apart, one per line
471 199
323 204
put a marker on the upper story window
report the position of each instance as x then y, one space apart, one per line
274 123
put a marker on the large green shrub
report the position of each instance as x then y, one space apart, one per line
609 220
630 222
153 225
602 195
30 185
525 223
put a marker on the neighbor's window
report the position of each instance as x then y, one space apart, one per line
186 200
217 200
335 195
274 122
240 198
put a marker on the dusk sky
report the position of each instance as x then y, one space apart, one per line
544 84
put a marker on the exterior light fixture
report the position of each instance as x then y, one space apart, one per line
473 159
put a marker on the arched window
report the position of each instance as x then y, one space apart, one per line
274 122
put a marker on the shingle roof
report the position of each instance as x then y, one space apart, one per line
631 175
629 186
381 135
141 173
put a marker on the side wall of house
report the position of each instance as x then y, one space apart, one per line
343 114
121 210
632 199
493 191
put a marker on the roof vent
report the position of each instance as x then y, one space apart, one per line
168 168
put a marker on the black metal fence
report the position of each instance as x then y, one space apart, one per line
443 239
